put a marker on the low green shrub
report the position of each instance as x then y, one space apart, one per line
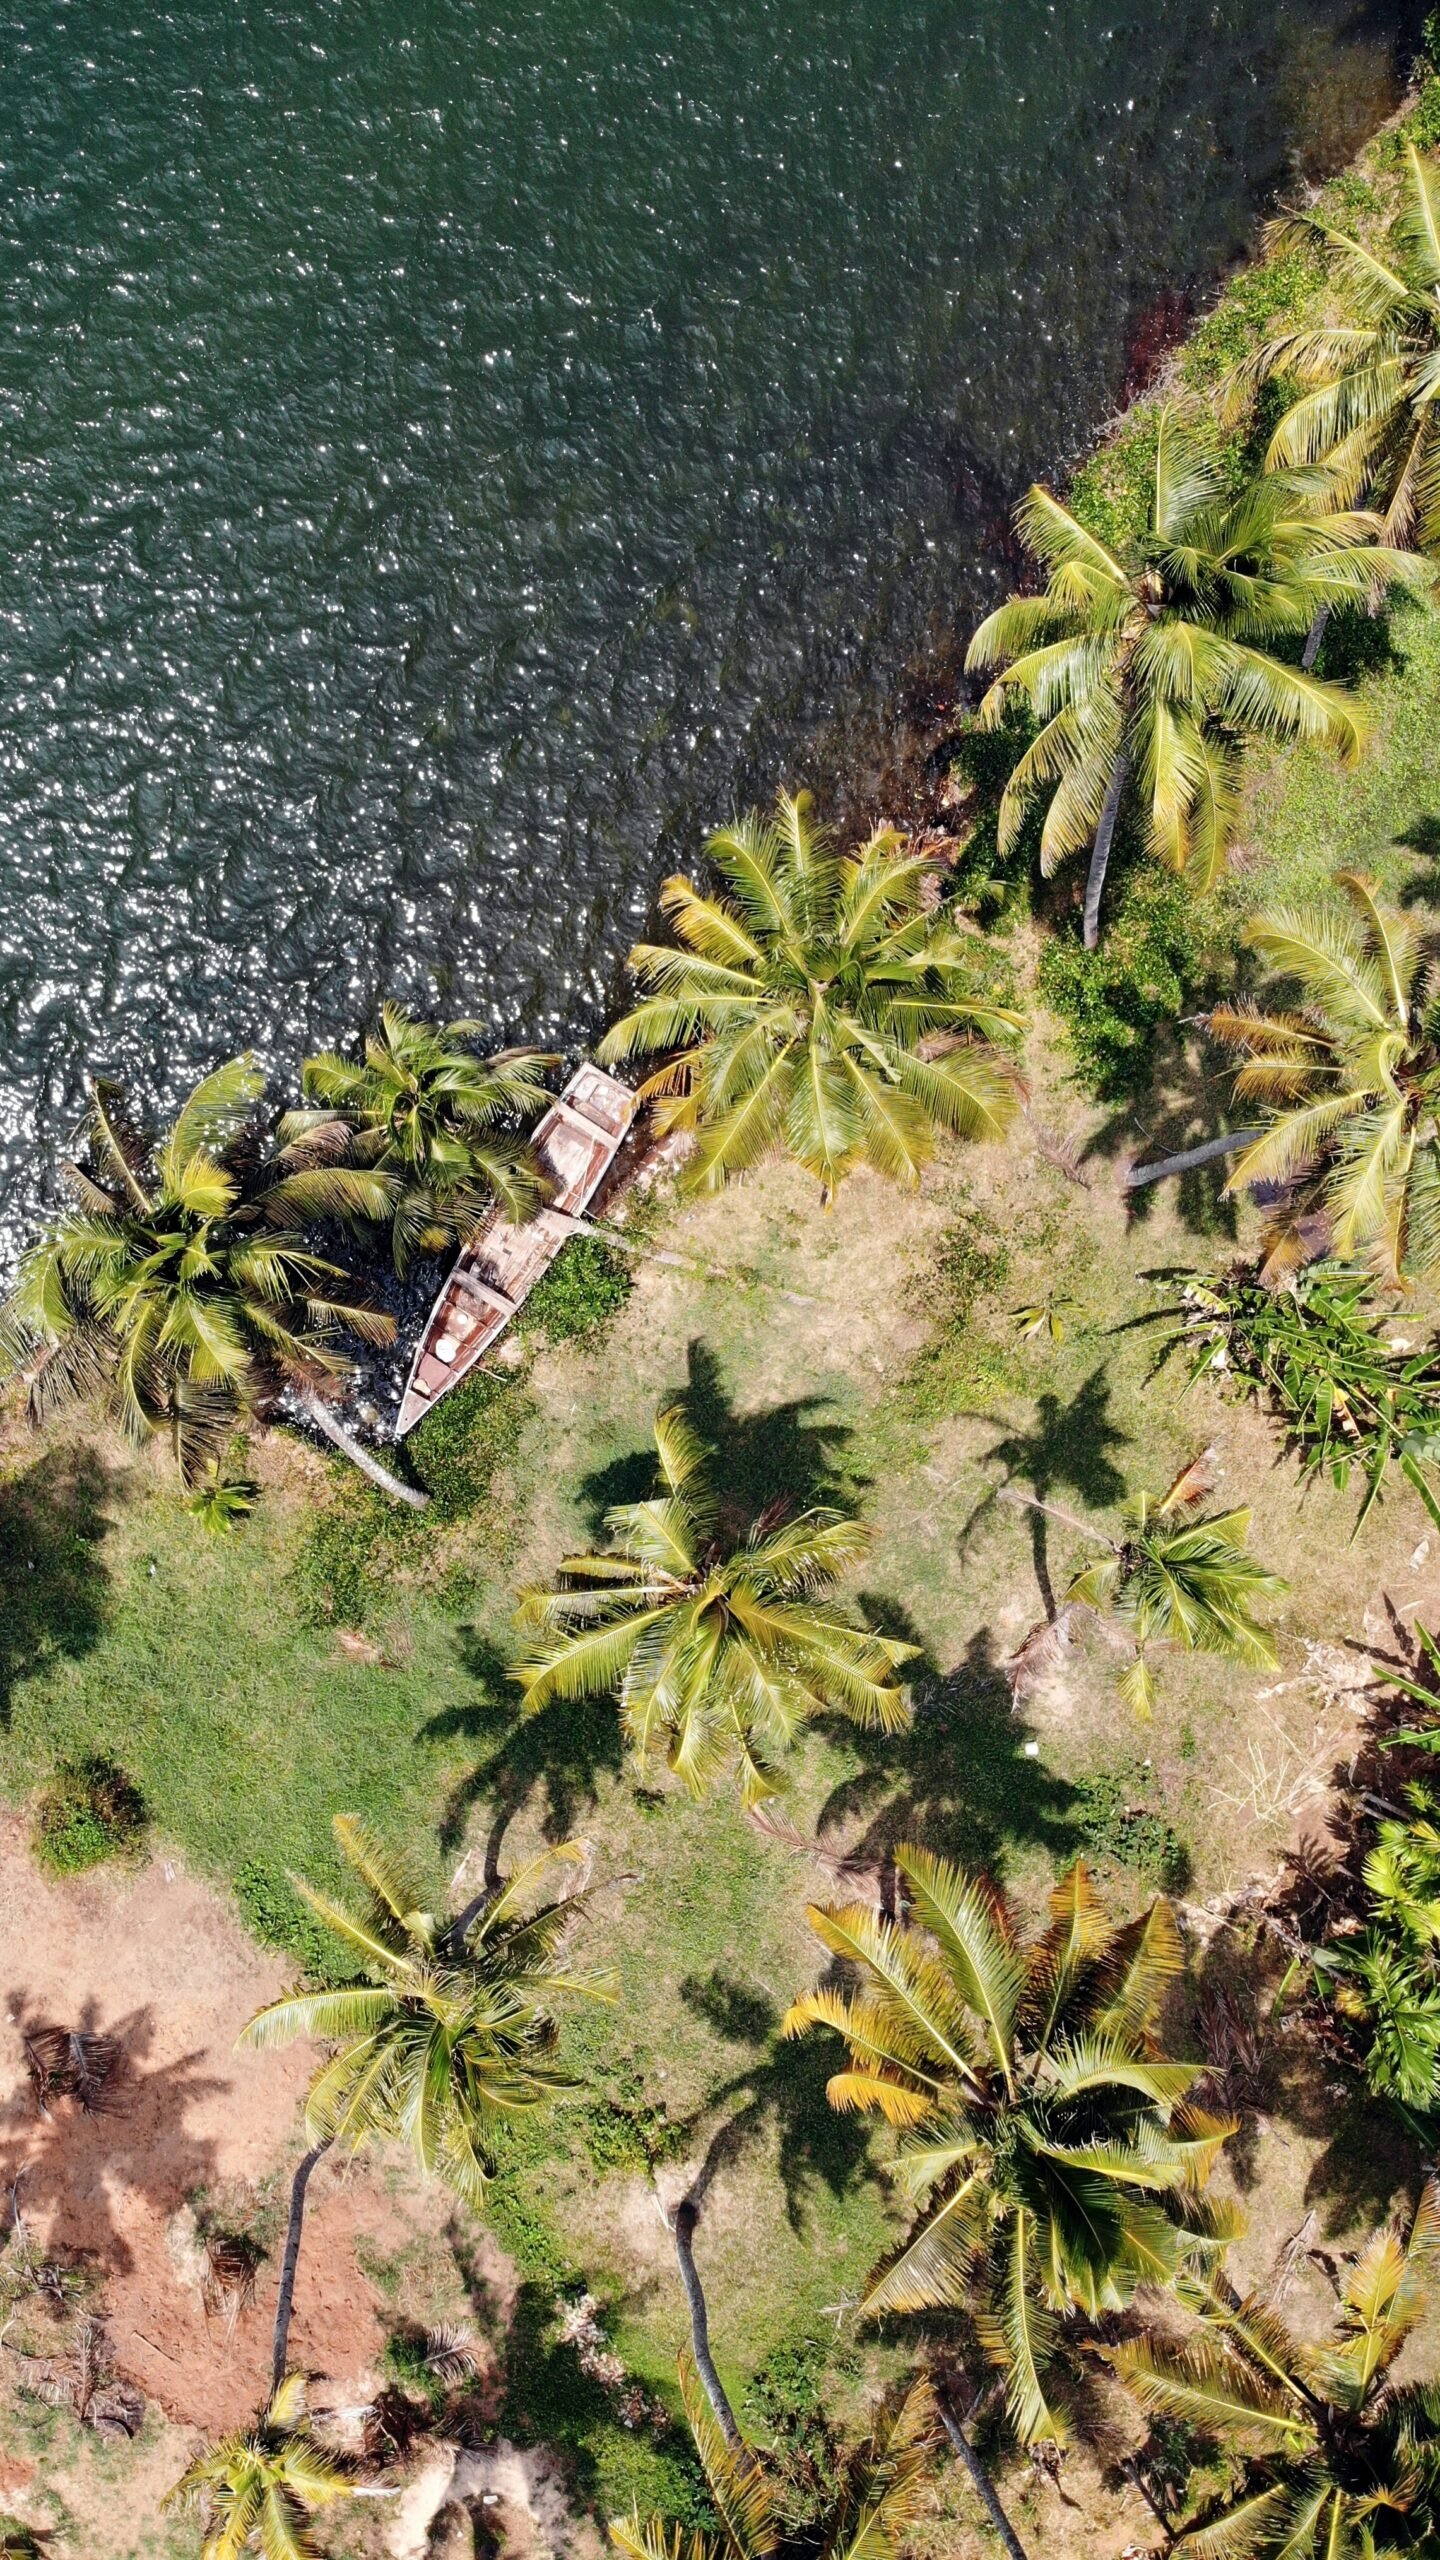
586 1284
274 1913
89 1812
1113 1826
474 1431
1145 973
971 1264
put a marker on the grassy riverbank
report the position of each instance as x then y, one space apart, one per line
337 1655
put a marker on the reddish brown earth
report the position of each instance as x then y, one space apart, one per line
155 1960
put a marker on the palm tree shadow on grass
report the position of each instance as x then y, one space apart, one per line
560 1754
784 2086
1180 1102
959 1781
796 1452
1066 1450
54 1589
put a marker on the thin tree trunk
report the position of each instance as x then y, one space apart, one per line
980 2479
317 1411
683 2228
465 1920
1141 1174
285 2298
1100 857
1052 1511
1313 638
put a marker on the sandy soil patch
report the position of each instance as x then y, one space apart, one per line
155 1961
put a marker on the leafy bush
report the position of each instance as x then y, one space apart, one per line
1146 971
1113 1826
459 1449
586 1284
1351 1396
274 1913
89 1812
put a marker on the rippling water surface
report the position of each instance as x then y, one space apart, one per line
449 452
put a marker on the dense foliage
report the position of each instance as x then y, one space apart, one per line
822 1008
717 1653
1353 1394
1045 2133
449 2029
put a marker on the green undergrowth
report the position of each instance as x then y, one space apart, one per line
89 1812
1153 958
1117 1830
586 1285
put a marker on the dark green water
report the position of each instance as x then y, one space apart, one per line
449 453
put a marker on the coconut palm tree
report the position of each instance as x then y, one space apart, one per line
823 1008
1367 384
716 1653
1044 2132
447 1126
1345 2461
180 1284
449 2031
1149 664
879 2493
1171 1579
1348 1080
259 2487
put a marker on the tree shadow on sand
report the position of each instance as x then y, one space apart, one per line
960 1780
54 1589
796 1451
1066 1450
74 2168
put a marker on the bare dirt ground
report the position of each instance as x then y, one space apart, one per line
154 1960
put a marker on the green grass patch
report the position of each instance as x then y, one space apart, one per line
586 1285
1118 1830
459 1449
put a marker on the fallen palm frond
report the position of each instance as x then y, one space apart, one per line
64 2062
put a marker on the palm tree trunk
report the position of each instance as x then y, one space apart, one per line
1313 638
1100 856
317 1411
980 2479
1052 1511
683 2229
285 2298
1141 1174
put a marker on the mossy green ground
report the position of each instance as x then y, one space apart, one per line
868 1353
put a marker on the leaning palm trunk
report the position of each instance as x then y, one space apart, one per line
1100 857
1313 638
285 2298
980 2480
1189 1160
683 2231
317 1411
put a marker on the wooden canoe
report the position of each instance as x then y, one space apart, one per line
575 1142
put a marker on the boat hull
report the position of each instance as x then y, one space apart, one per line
576 1143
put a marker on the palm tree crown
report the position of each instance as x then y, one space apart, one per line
451 2028
1150 665
881 2491
1349 1080
820 1009
445 1124
1043 2130
180 1282
1367 386
261 2485
718 1653
1175 1580
1346 2461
